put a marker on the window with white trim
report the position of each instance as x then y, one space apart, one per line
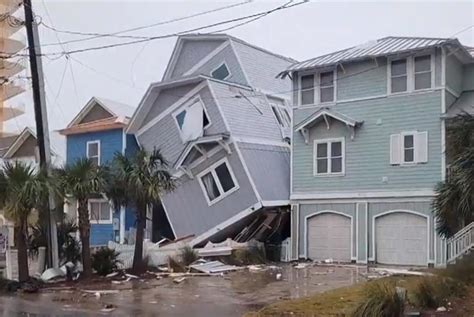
408 148
326 87
411 74
191 120
281 114
221 72
329 157
100 211
307 90
218 182
93 152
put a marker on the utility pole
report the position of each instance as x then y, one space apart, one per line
41 118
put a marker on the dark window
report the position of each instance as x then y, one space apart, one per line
224 177
326 87
307 90
220 72
399 75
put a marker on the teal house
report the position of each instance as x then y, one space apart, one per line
369 146
98 133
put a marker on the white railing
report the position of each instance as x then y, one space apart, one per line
460 243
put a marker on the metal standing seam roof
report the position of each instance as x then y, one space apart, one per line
380 47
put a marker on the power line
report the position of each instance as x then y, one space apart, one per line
189 31
94 35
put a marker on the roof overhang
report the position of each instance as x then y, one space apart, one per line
84 111
463 105
95 126
196 145
324 114
22 137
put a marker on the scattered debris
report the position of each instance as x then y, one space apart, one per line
278 276
301 266
256 268
52 273
112 274
442 308
100 292
179 280
389 272
108 308
213 267
329 261
131 276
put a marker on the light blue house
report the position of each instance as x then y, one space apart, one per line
221 118
98 133
368 147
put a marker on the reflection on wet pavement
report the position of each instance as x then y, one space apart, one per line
230 295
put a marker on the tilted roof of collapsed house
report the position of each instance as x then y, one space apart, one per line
116 115
381 47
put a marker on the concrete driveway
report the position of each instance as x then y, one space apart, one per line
230 295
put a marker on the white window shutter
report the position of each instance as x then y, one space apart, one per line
421 147
395 149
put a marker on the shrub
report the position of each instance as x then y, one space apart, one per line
188 255
463 270
382 299
255 255
432 292
105 261
175 265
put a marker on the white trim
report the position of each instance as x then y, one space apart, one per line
240 62
402 144
98 150
452 91
211 169
365 200
366 240
216 68
359 194
334 86
443 111
260 141
223 225
374 256
184 107
275 203
206 59
298 231
87 108
100 201
357 232
292 149
247 171
171 108
329 143
122 224
124 141
325 212
198 161
410 74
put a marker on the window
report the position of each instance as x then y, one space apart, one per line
407 148
399 77
217 182
410 74
221 72
326 87
100 211
281 115
93 152
191 120
329 157
307 90
422 72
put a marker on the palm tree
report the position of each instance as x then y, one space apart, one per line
22 189
454 202
82 180
138 181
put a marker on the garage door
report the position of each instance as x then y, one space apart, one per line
401 238
329 236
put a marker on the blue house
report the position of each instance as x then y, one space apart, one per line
98 133
369 145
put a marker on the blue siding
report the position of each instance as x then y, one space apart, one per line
129 218
110 143
101 234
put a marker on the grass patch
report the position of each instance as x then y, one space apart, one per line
188 255
463 270
436 291
381 299
174 265
247 256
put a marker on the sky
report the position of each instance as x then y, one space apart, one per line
124 73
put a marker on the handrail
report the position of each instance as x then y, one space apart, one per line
462 231
460 243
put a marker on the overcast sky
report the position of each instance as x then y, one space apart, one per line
303 32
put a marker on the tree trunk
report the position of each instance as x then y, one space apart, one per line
84 232
20 233
138 264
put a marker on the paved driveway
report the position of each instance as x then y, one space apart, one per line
229 295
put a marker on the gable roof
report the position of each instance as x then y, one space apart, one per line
323 113
381 47
6 142
464 104
18 142
116 109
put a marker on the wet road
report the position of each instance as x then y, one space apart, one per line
231 295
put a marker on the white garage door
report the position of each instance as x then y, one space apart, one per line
401 238
329 237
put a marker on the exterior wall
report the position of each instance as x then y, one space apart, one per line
165 136
187 207
110 143
249 117
227 55
468 77
165 99
191 53
454 73
262 69
368 155
27 149
96 113
363 215
269 167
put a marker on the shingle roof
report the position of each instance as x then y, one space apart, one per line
384 46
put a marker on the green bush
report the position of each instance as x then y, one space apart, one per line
188 255
105 261
432 292
175 265
382 299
